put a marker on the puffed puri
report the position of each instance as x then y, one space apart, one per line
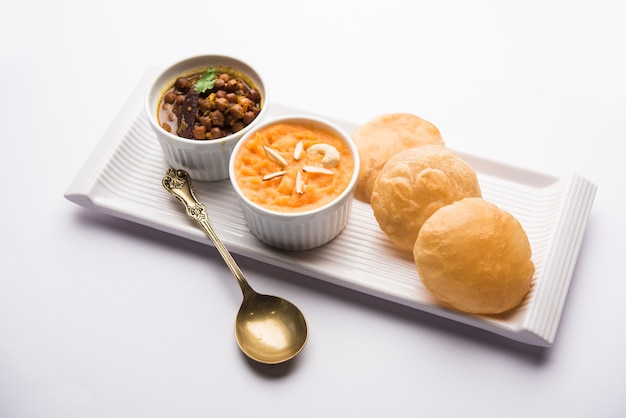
475 256
413 184
384 136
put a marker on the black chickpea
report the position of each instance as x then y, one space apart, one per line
216 132
170 97
221 103
248 117
236 111
220 84
182 84
254 95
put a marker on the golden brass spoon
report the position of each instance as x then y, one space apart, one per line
268 329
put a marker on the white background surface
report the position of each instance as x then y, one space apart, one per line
100 317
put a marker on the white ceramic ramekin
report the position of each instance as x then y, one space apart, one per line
298 230
205 160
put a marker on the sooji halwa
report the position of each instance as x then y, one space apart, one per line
288 167
209 104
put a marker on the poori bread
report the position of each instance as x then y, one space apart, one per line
413 184
383 137
475 256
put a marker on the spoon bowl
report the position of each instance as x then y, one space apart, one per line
265 327
268 329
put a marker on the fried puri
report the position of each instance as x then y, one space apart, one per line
383 137
475 256
414 184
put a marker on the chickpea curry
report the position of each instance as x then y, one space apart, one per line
209 104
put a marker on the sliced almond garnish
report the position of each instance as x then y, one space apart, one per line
275 156
297 151
274 175
300 186
316 169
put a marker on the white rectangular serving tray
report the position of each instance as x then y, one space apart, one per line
122 177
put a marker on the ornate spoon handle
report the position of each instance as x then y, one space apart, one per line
178 183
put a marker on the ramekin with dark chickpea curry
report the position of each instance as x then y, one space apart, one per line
209 104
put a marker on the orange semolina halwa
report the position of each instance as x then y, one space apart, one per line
272 182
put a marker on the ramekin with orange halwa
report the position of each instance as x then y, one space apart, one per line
295 179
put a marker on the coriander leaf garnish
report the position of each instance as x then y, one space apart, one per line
207 81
